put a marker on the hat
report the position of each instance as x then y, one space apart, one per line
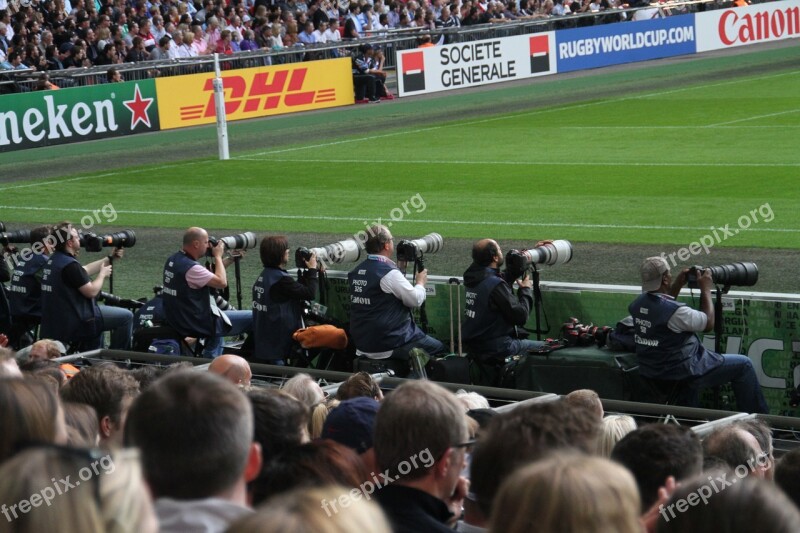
352 422
66 47
653 269
365 47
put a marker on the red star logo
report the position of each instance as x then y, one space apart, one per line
139 107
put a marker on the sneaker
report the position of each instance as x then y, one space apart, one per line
375 101
389 96
363 101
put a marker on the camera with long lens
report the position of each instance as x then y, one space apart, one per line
414 249
242 241
346 251
739 274
121 239
116 301
18 236
550 253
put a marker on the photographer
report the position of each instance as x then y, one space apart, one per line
667 344
25 291
278 301
188 304
493 312
381 299
70 312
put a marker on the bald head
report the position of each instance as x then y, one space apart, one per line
193 234
486 252
233 368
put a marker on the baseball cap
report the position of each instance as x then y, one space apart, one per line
351 423
653 269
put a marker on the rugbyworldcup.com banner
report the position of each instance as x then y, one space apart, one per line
455 66
255 92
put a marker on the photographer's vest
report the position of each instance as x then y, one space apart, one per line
25 290
484 327
67 315
187 310
662 353
379 322
273 323
150 314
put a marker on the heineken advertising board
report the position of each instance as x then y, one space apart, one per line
45 118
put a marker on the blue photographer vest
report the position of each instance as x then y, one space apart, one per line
379 322
273 323
187 310
25 291
482 325
662 353
151 313
67 315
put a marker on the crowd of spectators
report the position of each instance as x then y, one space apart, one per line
182 449
48 35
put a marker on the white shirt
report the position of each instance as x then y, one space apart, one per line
332 36
687 319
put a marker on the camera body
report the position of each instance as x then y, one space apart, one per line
301 256
407 251
692 275
414 250
550 253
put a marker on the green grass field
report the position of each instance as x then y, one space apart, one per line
650 159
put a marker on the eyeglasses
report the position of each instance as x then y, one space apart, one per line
466 444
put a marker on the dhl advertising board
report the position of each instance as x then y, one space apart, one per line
255 92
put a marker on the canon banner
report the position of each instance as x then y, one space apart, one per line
44 118
740 26
615 44
454 66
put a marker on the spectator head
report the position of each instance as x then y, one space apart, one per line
587 398
655 452
300 510
8 364
763 434
787 475
360 384
45 349
748 505
472 400
110 390
319 413
304 388
274 251
184 410
569 493
738 448
233 368
195 242
82 426
30 414
420 435
46 370
113 498
526 434
614 428
352 423
321 462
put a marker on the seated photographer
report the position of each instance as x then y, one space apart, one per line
493 313
188 304
381 299
70 312
25 290
278 301
668 347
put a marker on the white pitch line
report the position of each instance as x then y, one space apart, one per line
106 175
509 116
522 163
756 117
389 222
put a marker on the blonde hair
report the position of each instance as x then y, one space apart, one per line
108 499
472 400
613 429
318 415
568 493
304 388
304 511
